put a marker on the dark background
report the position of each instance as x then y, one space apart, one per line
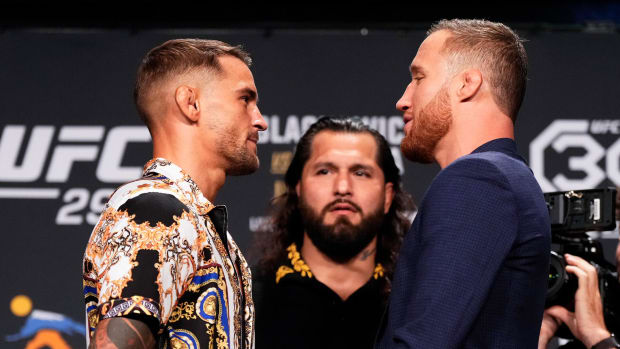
74 65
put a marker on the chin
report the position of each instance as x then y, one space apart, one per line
243 169
338 219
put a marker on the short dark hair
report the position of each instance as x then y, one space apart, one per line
176 57
286 225
495 49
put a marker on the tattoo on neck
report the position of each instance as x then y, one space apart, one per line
368 253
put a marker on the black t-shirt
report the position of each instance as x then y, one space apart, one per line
298 311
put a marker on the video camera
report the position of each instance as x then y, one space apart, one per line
572 214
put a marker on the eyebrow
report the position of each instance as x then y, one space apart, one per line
353 167
251 92
324 164
416 69
356 167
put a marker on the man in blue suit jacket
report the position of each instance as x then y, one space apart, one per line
472 272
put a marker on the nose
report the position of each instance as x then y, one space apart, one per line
342 187
258 121
404 103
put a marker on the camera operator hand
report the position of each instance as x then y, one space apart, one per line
586 323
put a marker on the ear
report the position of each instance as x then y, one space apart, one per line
470 82
297 190
389 196
186 98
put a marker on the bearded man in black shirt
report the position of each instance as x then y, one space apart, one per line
330 249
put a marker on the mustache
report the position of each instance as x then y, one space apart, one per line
331 205
254 136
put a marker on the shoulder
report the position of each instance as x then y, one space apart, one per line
495 171
470 199
139 223
469 172
493 162
144 186
148 200
475 184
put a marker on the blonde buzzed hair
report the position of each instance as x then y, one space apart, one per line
177 57
493 48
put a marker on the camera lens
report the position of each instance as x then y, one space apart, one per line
561 286
557 275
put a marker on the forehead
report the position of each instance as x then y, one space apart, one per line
232 65
234 72
429 52
344 148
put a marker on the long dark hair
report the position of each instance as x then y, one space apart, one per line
285 226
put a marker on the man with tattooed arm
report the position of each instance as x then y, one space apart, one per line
160 268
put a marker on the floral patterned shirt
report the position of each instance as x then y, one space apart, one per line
161 254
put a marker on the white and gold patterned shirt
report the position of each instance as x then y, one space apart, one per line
161 254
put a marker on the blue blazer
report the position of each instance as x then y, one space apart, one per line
472 271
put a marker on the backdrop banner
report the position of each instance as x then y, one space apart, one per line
69 135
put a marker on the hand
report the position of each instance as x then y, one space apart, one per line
548 328
587 323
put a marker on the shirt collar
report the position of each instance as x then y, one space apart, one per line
503 145
160 168
298 266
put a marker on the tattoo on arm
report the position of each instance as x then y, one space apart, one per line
368 253
118 333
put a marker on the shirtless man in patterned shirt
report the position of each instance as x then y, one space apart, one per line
160 269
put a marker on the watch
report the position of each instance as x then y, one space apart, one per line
607 343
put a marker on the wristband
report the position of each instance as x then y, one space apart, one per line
607 343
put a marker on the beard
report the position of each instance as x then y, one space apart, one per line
341 240
240 160
428 128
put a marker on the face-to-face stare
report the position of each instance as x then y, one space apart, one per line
342 193
230 106
426 103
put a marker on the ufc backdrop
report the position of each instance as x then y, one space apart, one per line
70 135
